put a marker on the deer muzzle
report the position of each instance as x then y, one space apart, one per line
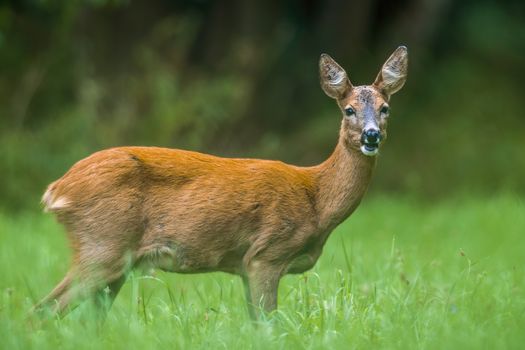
370 140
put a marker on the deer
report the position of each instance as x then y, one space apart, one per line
181 211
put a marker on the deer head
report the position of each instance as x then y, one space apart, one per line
365 108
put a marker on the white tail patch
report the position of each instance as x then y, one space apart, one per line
51 203
59 203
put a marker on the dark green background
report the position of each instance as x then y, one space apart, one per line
239 78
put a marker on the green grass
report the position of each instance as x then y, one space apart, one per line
398 274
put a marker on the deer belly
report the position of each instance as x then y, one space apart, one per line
173 257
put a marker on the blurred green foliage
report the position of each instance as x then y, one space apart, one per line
240 79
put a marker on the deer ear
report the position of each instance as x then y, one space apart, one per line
334 80
393 74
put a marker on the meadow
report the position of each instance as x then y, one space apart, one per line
399 274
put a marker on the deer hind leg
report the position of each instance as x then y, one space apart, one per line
104 252
104 297
96 280
99 281
51 299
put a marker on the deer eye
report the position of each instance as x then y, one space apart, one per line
384 110
349 111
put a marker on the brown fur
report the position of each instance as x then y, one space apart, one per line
189 212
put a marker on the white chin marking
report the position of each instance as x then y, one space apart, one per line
369 153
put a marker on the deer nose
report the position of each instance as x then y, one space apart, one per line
371 137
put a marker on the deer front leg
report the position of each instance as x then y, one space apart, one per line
261 282
248 296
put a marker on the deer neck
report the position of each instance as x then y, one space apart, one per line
342 180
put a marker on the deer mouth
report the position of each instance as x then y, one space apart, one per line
370 140
370 149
